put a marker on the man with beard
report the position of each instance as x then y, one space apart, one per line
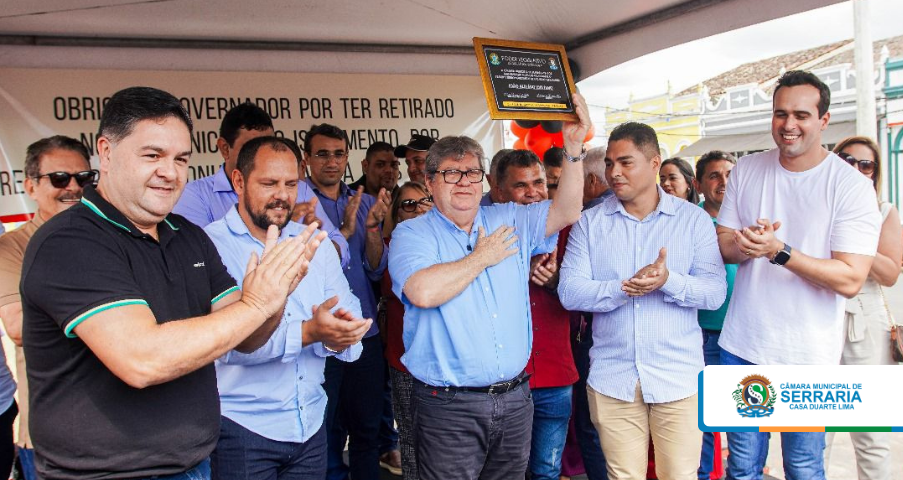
127 306
56 169
381 169
259 436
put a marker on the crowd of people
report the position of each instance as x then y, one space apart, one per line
254 323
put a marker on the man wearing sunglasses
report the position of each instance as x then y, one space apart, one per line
56 169
462 271
127 307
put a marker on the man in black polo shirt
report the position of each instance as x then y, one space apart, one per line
126 306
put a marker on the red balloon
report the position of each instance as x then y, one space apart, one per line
590 133
519 144
538 140
557 139
518 131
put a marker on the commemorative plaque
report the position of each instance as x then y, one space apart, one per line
525 81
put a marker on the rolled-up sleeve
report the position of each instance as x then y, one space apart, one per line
409 252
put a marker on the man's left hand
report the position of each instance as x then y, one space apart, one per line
649 278
544 270
759 240
379 209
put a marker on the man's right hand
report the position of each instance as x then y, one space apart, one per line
306 212
337 330
268 282
491 250
349 220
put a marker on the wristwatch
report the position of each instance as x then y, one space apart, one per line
336 352
782 256
578 158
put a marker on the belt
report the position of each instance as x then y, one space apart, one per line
494 389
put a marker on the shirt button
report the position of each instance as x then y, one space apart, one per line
636 305
494 316
534 304
501 346
501 375
486 288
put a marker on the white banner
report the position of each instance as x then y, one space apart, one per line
36 103
734 397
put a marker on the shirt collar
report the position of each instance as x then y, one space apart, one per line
221 181
103 209
238 227
667 204
343 189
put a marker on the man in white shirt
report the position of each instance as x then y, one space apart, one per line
804 228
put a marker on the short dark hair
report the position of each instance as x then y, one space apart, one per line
247 116
554 157
326 130
377 147
37 149
641 135
795 78
248 153
709 157
129 106
686 171
516 159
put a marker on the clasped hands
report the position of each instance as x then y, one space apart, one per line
759 240
649 278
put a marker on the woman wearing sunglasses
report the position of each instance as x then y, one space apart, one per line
867 321
408 201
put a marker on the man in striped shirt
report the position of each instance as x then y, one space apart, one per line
652 262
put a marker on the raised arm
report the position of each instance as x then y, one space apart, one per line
566 207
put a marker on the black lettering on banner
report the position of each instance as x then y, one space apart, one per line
348 177
204 141
215 108
361 139
356 107
315 107
416 108
429 132
11 182
201 171
78 108
88 140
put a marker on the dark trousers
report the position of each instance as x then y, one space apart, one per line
462 435
241 454
587 436
388 435
7 445
354 412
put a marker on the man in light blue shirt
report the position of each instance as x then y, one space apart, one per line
643 262
272 399
208 199
462 271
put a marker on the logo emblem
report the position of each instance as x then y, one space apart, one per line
494 59
755 397
552 64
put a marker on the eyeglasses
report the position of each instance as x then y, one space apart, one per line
410 205
865 166
454 176
325 156
61 179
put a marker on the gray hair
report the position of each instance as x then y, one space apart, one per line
595 163
455 148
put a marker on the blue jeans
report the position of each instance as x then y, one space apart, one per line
803 452
712 354
587 436
26 461
551 413
354 412
200 472
241 454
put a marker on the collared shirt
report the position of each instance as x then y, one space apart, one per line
358 271
714 319
483 335
276 390
89 259
654 339
551 361
486 200
207 199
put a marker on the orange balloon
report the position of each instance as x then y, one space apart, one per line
557 139
538 140
590 133
519 144
518 131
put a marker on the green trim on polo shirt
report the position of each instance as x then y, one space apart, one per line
100 308
220 296
175 228
100 214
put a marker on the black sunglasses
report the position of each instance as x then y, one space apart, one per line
61 179
411 205
864 166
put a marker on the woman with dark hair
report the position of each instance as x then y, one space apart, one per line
676 178
867 321
408 201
